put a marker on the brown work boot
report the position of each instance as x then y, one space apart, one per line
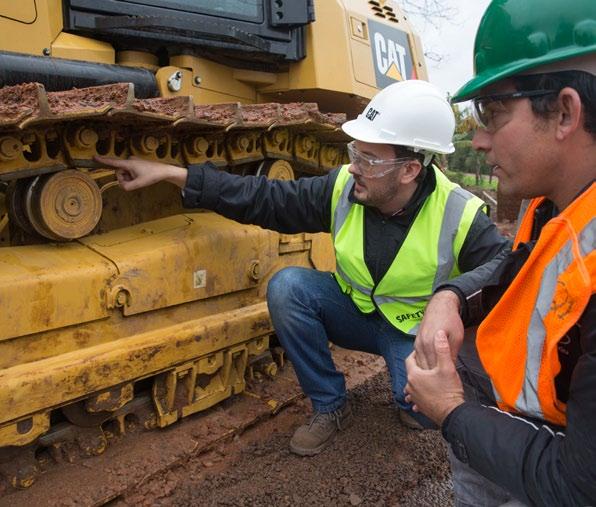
312 438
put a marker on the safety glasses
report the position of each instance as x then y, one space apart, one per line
373 168
486 108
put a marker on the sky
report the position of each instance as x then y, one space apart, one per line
453 41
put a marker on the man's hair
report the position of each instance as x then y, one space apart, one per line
405 152
582 82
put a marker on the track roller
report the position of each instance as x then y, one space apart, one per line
63 206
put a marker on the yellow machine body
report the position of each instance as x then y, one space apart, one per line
151 301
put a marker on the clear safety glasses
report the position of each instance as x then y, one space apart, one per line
373 168
486 108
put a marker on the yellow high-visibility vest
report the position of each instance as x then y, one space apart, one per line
426 259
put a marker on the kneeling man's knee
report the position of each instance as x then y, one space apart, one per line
283 285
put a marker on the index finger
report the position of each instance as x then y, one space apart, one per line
111 161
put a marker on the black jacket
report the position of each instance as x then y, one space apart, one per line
539 464
304 205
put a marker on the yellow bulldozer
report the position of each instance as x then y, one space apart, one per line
117 304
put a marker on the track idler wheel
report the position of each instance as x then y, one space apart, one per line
64 205
276 170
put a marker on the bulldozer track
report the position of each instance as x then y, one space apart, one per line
45 131
48 141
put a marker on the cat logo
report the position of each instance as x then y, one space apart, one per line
371 114
391 54
390 57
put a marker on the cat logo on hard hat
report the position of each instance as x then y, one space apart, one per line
371 114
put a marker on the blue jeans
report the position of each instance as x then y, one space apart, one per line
309 309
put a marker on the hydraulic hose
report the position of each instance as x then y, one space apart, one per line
58 74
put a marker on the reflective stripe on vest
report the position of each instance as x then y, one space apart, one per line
454 210
445 242
546 298
404 310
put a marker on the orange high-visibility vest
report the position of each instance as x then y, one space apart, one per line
517 342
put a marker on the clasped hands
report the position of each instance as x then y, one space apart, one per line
434 387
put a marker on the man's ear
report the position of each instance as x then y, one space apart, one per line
410 171
570 115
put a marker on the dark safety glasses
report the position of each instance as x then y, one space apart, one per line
486 108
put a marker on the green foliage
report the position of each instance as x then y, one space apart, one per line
466 159
456 177
469 180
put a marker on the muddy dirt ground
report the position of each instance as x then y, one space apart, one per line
237 454
376 461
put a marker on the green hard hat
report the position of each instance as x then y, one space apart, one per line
515 36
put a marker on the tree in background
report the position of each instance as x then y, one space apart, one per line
466 159
432 11
429 12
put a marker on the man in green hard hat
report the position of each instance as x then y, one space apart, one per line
521 416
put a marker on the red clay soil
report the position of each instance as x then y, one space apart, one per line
256 115
297 112
95 98
172 107
218 114
23 101
18 102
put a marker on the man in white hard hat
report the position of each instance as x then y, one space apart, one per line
399 228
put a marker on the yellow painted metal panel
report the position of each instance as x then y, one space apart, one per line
203 93
75 47
214 78
22 33
327 64
255 77
29 388
203 96
140 59
322 253
418 52
185 258
362 63
338 54
38 346
24 11
50 286
25 431
329 74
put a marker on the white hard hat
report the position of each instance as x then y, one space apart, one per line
410 113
